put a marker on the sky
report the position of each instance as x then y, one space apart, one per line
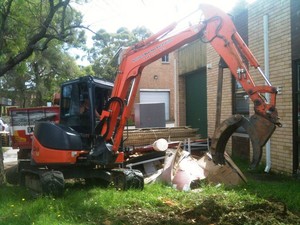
152 14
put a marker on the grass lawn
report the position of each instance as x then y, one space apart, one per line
265 199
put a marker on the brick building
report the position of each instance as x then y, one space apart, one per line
283 34
157 84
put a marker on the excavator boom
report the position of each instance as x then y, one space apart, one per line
218 30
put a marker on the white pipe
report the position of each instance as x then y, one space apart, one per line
267 74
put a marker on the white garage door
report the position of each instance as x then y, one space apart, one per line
157 97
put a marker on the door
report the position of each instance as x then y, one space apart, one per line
157 97
196 102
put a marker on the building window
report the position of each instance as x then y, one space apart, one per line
165 59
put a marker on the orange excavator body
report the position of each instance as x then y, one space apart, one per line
98 144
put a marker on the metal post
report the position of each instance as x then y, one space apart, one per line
219 93
2 176
267 75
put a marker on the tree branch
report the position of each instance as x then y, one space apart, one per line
4 15
33 41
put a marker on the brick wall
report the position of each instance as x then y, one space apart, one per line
165 79
212 80
181 100
280 71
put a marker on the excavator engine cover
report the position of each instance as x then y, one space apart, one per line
258 128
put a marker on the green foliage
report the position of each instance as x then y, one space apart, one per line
34 37
106 45
39 78
273 186
258 202
29 26
239 7
48 70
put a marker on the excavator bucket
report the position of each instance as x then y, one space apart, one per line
258 128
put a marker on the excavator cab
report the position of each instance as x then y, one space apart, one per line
74 139
82 101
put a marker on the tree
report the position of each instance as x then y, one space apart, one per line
27 30
40 79
29 26
106 45
239 7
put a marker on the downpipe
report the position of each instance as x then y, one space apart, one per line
267 74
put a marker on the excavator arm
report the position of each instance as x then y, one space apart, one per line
218 30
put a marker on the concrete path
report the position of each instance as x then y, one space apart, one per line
10 155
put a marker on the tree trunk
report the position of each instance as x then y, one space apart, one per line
2 175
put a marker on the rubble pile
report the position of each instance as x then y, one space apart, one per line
183 171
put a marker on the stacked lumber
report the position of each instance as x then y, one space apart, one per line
146 136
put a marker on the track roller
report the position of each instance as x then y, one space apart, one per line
44 182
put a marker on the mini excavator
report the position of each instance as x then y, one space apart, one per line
87 145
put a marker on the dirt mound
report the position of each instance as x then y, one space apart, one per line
211 212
